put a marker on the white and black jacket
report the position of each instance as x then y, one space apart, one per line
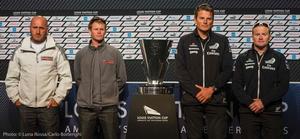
265 77
208 64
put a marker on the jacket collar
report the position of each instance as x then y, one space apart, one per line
101 45
267 51
26 44
195 32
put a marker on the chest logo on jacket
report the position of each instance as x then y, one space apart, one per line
109 62
213 49
193 48
249 64
269 64
270 61
215 46
47 58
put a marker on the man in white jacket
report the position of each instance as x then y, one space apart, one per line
37 80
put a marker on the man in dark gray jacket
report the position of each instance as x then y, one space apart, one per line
100 75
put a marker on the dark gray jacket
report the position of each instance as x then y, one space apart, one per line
100 75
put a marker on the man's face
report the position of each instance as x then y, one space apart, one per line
97 31
204 21
38 29
261 36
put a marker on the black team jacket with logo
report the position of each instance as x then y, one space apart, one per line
267 79
208 64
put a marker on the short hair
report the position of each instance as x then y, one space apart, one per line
41 17
97 20
205 7
263 25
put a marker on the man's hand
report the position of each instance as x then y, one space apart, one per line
18 103
52 103
204 95
256 106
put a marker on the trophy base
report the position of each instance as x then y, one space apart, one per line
153 90
143 125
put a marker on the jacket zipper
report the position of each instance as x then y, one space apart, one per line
37 61
258 74
91 77
100 79
36 86
203 62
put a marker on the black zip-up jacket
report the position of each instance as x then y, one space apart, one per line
267 79
208 64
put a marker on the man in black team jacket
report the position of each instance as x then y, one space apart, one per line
261 78
203 66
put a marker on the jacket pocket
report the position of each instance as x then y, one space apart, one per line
83 94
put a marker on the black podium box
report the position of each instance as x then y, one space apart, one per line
152 117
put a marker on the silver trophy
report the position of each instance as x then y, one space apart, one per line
155 63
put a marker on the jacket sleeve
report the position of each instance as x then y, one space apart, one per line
121 72
238 83
13 78
64 76
226 66
182 73
282 83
